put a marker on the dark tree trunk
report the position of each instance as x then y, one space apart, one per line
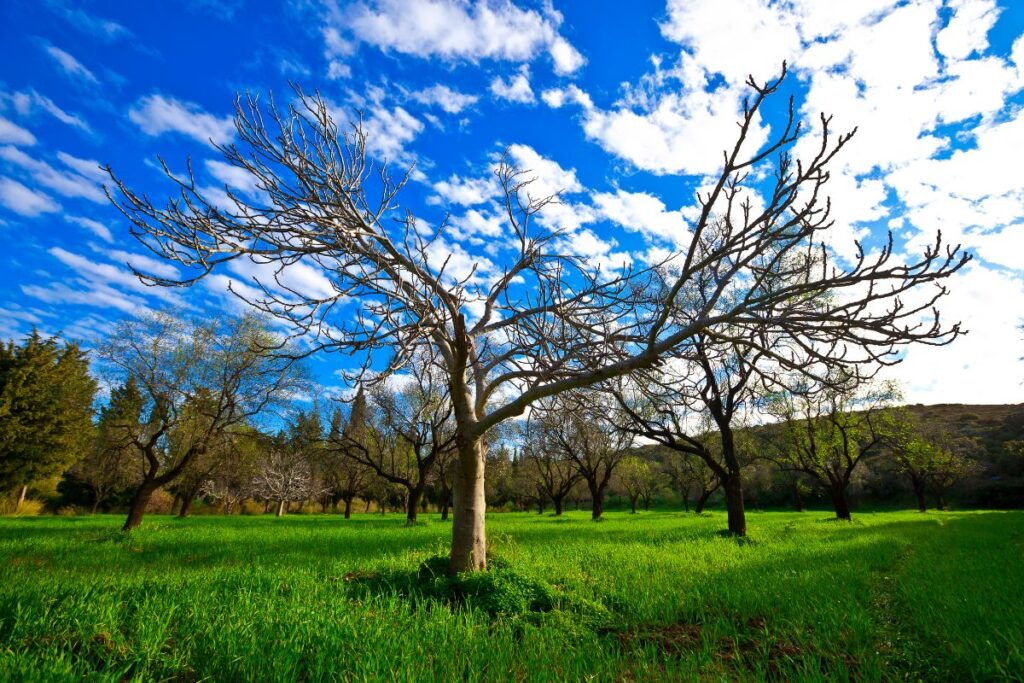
839 501
348 507
646 502
686 502
632 505
186 503
138 506
919 491
445 500
367 506
596 499
798 500
413 503
940 499
705 494
558 501
95 504
734 504
540 506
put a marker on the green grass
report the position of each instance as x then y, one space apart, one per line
653 596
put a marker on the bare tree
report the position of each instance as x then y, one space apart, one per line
346 476
583 435
285 473
543 322
197 379
554 474
412 428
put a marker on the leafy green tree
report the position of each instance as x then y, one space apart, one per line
827 431
46 398
198 380
112 464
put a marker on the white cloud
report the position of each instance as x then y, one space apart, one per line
66 183
14 134
644 213
234 177
27 103
466 191
93 226
71 66
567 59
452 30
23 200
515 89
156 114
982 367
388 131
451 101
548 176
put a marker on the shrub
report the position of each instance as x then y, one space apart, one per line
250 507
67 511
28 508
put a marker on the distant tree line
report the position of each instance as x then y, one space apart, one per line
217 412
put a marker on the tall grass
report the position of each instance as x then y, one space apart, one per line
656 596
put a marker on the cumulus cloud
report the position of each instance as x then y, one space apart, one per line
515 88
388 131
451 101
157 114
452 30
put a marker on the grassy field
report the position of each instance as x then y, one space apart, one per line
653 596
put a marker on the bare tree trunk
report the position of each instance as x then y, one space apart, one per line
798 500
348 507
705 494
412 502
839 501
632 504
445 500
367 506
266 506
940 498
469 541
95 503
686 501
21 497
919 491
186 503
558 505
540 506
138 506
734 504
280 508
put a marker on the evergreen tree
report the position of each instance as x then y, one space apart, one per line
46 396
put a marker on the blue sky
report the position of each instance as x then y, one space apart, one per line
623 106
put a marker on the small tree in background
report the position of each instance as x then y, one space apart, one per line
826 432
111 465
197 379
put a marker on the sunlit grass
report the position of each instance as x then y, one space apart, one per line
889 596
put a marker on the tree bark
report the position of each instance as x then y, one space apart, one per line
734 504
632 504
138 506
186 503
540 506
559 504
842 506
95 504
413 502
940 499
922 503
280 508
469 541
21 497
445 499
348 507
705 494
